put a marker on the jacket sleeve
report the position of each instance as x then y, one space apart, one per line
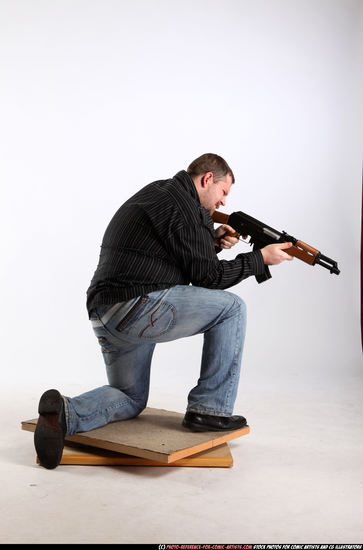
192 249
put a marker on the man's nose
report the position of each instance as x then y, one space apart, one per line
223 201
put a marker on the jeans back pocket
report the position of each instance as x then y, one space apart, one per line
159 320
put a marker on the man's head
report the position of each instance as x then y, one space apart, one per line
213 179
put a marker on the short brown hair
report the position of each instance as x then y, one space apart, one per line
209 162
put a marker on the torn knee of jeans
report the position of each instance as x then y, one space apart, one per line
102 340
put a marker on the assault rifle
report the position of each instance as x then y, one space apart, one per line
262 235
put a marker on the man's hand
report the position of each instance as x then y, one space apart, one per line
274 254
224 237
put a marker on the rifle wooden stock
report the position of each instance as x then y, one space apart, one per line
219 217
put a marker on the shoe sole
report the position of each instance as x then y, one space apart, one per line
198 428
49 435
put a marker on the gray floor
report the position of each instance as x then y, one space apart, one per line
297 478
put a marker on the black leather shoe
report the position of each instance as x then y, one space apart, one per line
51 429
209 423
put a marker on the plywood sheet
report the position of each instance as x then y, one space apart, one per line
155 434
218 457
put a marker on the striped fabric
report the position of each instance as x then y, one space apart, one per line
161 237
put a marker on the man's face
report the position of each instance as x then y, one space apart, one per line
214 194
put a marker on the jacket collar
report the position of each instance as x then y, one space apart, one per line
185 181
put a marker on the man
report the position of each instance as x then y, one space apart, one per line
159 279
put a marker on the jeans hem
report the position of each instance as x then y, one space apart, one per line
66 414
211 412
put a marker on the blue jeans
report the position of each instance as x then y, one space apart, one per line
127 333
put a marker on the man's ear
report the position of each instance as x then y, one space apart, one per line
206 179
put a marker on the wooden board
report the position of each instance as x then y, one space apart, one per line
218 457
155 434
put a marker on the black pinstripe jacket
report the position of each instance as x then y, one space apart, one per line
161 237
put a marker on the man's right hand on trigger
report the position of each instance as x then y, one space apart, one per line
274 254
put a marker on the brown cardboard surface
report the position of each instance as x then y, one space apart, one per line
218 457
155 434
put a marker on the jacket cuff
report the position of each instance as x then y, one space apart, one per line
255 262
259 261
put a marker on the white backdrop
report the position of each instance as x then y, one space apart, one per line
99 98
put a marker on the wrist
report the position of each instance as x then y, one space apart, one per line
263 252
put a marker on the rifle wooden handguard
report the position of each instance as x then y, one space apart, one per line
303 252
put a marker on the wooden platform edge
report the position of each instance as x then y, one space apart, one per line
144 453
177 455
74 456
